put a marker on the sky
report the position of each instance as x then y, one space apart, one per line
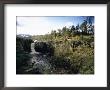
40 25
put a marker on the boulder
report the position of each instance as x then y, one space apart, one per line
44 48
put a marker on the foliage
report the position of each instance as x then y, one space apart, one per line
79 59
72 56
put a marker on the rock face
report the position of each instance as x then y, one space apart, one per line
44 48
23 43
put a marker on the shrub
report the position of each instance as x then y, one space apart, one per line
78 59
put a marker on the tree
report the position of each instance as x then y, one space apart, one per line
83 27
89 20
77 29
72 30
53 33
59 32
64 30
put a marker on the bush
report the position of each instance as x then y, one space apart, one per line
75 44
76 59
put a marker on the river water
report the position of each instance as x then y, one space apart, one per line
39 62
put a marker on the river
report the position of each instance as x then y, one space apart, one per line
39 62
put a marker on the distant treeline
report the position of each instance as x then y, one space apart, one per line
85 28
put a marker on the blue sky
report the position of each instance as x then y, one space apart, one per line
65 19
43 25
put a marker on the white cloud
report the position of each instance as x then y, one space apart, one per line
35 25
38 25
32 25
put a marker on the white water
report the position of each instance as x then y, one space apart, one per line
39 61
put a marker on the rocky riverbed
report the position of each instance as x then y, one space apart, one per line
39 63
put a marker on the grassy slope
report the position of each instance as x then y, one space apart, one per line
71 60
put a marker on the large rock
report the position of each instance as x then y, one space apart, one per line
24 44
44 48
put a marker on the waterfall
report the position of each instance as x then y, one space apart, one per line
32 48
